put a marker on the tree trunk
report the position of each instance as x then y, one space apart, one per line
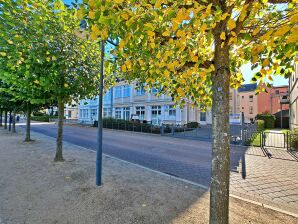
59 156
1 113
9 121
220 171
28 115
14 121
5 119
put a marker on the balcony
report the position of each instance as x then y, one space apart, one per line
284 99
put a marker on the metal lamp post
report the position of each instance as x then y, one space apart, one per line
99 129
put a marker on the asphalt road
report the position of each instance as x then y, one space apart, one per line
184 158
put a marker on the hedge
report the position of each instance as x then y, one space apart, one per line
44 118
269 120
193 124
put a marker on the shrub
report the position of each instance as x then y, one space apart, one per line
269 120
38 113
260 125
45 118
192 124
294 139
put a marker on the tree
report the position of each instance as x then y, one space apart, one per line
193 50
58 62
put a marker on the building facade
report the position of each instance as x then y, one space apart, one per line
272 100
71 111
130 101
293 91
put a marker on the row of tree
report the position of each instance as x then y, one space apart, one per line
190 49
44 59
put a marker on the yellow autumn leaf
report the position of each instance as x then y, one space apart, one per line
224 16
256 31
3 54
203 28
36 82
266 62
181 92
65 85
125 16
118 1
282 30
270 78
166 33
294 18
149 25
104 34
166 73
81 12
223 36
123 68
231 24
157 3
150 33
91 15
95 30
180 33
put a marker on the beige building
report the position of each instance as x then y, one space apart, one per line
71 111
293 89
244 100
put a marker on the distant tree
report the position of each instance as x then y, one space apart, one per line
44 46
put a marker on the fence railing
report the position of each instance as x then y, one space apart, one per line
292 141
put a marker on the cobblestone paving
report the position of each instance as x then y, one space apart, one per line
268 179
269 175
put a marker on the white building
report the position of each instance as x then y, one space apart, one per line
126 101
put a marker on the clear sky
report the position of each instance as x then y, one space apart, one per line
246 71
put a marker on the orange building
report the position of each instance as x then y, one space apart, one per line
273 100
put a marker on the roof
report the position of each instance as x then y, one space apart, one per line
285 113
247 87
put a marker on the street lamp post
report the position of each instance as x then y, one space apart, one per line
99 129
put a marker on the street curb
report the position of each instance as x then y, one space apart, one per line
274 208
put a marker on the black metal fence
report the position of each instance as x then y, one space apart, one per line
292 142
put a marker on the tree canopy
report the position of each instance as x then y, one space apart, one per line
172 43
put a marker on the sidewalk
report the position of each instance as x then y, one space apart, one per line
34 189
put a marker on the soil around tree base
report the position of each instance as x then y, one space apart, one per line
34 189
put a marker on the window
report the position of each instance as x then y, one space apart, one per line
118 91
230 96
140 90
277 91
172 111
126 113
156 110
140 111
107 96
94 113
118 112
107 112
126 91
251 98
202 116
251 110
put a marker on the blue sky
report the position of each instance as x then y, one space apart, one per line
246 71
